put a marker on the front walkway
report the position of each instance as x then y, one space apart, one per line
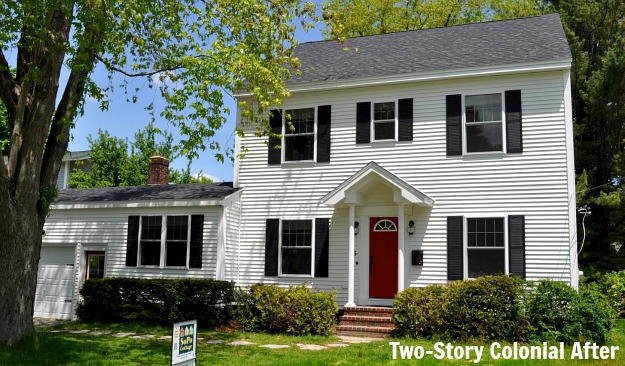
345 341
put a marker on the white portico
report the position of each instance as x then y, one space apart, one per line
383 231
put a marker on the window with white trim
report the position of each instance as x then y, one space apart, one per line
486 246
384 121
299 134
296 247
483 123
164 241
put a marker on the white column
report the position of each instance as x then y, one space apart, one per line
401 261
350 258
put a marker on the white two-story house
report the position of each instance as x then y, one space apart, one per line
399 160
415 158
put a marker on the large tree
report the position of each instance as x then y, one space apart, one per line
351 18
198 50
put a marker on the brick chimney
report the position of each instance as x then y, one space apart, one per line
158 171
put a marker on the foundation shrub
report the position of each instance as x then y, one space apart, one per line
296 310
488 308
156 301
420 312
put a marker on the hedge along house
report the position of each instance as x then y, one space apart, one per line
415 158
156 231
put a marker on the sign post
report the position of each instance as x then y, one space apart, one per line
183 343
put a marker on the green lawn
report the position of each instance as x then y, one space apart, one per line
80 349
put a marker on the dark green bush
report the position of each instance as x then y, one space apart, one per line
296 310
156 301
558 313
487 308
505 309
420 311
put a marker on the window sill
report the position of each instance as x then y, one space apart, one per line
295 276
162 268
296 164
484 155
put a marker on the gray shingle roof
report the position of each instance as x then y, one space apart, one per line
142 193
521 40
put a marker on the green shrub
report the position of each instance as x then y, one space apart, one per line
156 301
558 313
420 312
296 310
487 308
505 309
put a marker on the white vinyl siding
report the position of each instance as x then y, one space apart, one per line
533 184
110 226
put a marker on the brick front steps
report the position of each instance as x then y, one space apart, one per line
369 321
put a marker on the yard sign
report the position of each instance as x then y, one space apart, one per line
183 343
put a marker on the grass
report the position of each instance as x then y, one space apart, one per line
80 349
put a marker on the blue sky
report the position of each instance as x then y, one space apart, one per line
123 119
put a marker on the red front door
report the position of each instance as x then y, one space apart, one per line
383 257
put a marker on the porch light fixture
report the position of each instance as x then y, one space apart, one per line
356 225
410 229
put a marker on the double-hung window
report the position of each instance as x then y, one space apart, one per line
486 246
483 123
299 134
384 121
164 241
296 247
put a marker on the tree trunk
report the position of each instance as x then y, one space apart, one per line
20 233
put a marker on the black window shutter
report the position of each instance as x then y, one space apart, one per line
271 247
363 122
322 242
516 241
454 125
132 241
324 115
454 248
405 119
514 130
275 122
197 241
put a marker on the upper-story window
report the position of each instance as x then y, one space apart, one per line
384 121
483 123
299 134
164 241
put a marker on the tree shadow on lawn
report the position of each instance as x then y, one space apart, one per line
83 349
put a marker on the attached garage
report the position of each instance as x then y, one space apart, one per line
55 283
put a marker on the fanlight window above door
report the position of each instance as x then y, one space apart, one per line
385 225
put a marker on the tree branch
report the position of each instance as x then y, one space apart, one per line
139 74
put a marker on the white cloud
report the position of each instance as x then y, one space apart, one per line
214 178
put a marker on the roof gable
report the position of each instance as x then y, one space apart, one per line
348 191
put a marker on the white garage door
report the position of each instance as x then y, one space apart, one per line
55 283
